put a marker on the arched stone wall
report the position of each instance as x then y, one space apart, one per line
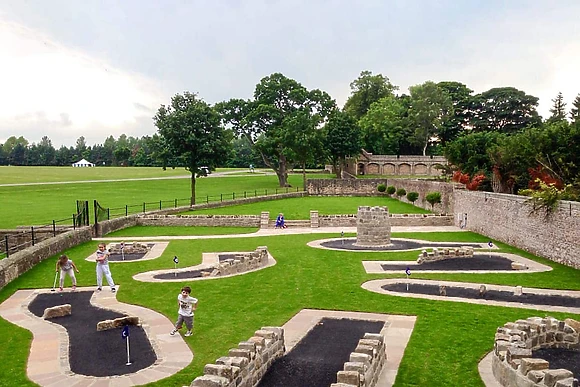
421 169
389 169
405 169
373 169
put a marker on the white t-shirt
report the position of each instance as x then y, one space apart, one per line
186 305
67 265
100 254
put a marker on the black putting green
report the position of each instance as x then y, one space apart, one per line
560 358
396 244
94 353
490 295
181 274
316 359
477 262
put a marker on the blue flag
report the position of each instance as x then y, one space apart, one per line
125 332
176 260
408 271
490 244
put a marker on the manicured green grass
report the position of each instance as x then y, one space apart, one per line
299 208
448 341
139 231
40 204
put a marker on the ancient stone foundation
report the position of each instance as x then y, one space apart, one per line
241 263
373 226
118 322
128 248
245 365
365 363
512 362
444 253
57 311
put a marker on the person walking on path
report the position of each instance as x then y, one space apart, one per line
187 305
103 268
66 266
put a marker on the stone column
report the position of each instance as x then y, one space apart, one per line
264 219
314 223
373 226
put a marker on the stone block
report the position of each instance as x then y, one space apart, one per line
266 334
351 378
366 349
105 325
356 357
238 352
536 376
240 362
128 320
514 353
247 345
569 382
531 364
228 372
210 381
553 376
442 290
57 311
574 324
361 368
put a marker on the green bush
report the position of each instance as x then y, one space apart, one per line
412 197
401 192
433 198
381 188
391 190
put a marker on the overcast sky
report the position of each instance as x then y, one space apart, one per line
96 68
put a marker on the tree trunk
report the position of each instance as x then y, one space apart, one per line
304 175
425 147
192 189
282 172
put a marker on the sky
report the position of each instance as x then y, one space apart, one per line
96 68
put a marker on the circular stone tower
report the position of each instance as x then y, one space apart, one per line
373 226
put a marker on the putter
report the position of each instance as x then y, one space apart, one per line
54 284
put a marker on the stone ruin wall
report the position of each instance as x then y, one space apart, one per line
512 362
406 220
507 218
373 226
365 364
247 364
242 262
200 220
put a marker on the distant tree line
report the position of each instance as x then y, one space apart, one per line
497 135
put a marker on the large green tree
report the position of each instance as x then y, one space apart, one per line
366 90
575 110
457 121
342 138
191 130
505 110
384 128
430 107
558 109
281 112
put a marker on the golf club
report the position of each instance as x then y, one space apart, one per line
54 284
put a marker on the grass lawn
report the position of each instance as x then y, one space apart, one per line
299 208
40 204
448 341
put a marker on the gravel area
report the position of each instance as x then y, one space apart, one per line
477 262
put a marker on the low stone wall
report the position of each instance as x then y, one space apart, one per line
245 365
242 262
21 237
444 253
199 220
107 226
406 220
512 362
365 363
22 261
344 187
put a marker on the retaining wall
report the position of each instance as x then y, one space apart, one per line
512 362
365 363
22 261
507 218
200 220
245 365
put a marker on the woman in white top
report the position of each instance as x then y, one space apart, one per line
66 266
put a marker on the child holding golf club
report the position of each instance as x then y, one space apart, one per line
103 268
66 266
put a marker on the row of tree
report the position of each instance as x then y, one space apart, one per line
286 125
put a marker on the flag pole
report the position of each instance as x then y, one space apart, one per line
128 355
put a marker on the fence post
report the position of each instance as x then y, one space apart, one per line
160 205
126 210
207 199
233 196
255 192
244 194
108 214
265 192
286 189
221 197
53 228
74 222
143 207
6 240
276 191
95 209
32 234
175 203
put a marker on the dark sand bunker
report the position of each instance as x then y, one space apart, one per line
92 352
316 359
197 273
560 358
475 263
488 295
395 245
119 257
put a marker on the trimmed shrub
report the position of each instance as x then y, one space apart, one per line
412 197
391 190
401 192
381 188
433 198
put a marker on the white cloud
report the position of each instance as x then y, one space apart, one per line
50 89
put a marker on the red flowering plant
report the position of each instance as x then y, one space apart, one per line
471 184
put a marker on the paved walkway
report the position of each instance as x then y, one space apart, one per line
48 363
287 231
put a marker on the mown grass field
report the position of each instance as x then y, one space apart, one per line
447 343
